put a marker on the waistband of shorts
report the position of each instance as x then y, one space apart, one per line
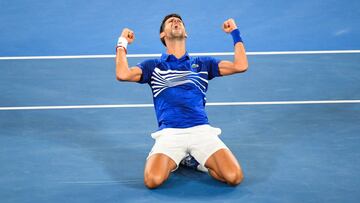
169 131
185 129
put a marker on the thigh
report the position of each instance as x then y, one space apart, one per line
159 164
205 143
171 145
157 170
223 162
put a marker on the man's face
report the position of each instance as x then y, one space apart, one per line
174 28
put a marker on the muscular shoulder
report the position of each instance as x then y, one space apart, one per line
204 59
149 63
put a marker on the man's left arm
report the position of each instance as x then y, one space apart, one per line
240 63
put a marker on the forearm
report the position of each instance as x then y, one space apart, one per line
122 66
123 71
240 58
240 63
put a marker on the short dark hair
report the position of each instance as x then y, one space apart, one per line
163 24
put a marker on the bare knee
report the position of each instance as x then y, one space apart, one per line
157 170
153 180
234 177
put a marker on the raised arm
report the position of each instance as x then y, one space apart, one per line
123 72
240 63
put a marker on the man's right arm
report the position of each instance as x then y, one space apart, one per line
123 72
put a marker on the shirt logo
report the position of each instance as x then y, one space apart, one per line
194 66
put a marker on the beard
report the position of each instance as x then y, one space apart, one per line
177 34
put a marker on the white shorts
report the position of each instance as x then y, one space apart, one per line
200 141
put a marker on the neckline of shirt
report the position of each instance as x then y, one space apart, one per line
171 57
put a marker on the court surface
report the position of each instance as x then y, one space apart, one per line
69 132
289 152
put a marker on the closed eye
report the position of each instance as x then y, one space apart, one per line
172 20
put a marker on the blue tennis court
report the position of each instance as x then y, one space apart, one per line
69 132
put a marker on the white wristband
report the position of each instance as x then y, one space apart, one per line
122 42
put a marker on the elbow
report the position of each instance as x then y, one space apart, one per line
118 78
241 68
121 77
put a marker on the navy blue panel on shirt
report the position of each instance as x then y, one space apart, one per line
179 88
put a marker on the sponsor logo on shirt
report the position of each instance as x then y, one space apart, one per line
194 66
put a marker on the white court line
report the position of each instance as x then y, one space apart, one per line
151 105
191 54
101 182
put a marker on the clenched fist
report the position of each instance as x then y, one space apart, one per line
128 34
229 25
